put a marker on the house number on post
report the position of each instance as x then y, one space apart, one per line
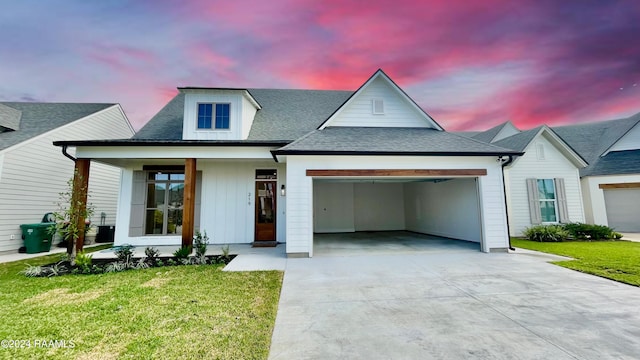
249 198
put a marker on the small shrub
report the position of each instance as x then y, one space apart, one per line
152 255
124 253
57 269
33 271
225 253
617 235
185 261
200 242
115 266
159 263
546 233
589 231
83 261
141 264
171 262
182 253
200 260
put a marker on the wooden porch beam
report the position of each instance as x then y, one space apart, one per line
630 185
399 172
79 200
188 214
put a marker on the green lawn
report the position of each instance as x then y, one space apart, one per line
616 260
187 312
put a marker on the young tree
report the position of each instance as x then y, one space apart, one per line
67 214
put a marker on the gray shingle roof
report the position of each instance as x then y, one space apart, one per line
390 140
593 139
286 114
39 118
166 124
518 141
9 118
488 135
615 162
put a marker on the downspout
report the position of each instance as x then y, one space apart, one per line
65 153
504 191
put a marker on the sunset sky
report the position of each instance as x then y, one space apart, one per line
469 64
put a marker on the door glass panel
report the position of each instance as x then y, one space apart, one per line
266 205
154 221
263 174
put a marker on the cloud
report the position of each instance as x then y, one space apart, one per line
471 65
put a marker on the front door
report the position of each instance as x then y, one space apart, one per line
265 213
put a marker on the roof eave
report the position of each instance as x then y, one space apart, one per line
208 143
395 153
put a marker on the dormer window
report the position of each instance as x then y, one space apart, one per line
213 116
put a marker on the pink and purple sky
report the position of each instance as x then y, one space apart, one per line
469 64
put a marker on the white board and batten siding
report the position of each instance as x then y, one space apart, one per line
300 193
34 172
397 112
241 114
542 160
227 204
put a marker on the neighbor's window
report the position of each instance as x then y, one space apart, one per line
213 116
165 201
547 198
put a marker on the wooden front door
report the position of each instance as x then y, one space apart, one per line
265 213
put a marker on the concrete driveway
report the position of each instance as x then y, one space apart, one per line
461 304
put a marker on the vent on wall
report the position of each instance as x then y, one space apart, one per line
377 106
540 151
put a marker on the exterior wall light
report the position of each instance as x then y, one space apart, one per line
282 190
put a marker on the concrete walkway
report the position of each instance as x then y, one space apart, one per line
456 305
631 237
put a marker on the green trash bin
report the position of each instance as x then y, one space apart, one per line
36 237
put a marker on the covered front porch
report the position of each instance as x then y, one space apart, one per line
171 191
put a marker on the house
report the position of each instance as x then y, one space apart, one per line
543 185
611 182
583 173
264 166
33 172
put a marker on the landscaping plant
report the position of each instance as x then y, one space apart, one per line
546 233
66 217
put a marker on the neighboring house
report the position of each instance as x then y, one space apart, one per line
33 172
270 165
611 182
543 185
578 173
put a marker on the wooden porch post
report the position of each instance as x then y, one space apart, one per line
79 198
188 213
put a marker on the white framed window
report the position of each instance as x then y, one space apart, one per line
214 116
548 201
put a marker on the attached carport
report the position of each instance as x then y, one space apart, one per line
441 203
